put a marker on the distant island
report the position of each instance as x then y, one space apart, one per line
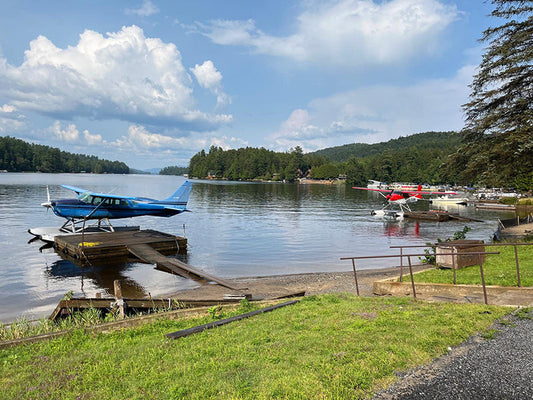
174 170
17 155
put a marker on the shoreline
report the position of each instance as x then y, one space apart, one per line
274 286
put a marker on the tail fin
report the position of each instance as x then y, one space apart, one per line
180 196
419 188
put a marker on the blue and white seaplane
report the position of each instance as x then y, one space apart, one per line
100 208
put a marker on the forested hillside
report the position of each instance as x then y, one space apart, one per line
447 141
19 156
416 158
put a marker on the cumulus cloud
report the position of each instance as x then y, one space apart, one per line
346 32
377 113
70 134
123 75
91 139
210 78
145 10
141 140
10 119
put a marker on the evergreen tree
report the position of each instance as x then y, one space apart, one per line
498 140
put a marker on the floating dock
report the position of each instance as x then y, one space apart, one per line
436 215
148 246
105 245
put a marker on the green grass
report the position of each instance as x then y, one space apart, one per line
325 347
497 269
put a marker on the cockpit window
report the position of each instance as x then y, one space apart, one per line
86 198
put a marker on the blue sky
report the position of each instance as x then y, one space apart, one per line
152 82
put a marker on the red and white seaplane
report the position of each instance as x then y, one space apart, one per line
400 198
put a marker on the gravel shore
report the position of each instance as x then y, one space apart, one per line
274 286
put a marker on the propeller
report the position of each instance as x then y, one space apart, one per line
48 203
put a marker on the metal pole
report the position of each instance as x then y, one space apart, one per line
401 264
517 267
453 264
412 279
355 277
482 278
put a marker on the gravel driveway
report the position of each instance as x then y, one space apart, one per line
497 368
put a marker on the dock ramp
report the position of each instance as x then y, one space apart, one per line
147 254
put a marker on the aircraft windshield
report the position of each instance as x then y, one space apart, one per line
86 197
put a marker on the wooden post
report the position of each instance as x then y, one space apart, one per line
118 298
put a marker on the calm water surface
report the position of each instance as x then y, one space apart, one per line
235 230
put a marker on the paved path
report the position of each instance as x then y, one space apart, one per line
499 368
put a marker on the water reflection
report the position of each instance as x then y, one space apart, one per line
236 229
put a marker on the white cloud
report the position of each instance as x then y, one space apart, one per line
377 113
210 78
148 8
10 119
91 139
123 75
6 108
70 134
142 140
346 32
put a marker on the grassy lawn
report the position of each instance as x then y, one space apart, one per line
498 269
325 347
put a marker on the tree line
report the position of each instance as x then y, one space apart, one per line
174 170
417 158
17 155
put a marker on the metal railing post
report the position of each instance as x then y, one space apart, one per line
355 276
517 267
482 278
412 278
453 264
401 264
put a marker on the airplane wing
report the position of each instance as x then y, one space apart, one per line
374 190
75 189
428 193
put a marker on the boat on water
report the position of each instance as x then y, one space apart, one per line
372 184
449 200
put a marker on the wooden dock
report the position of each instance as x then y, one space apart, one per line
436 215
148 246
106 245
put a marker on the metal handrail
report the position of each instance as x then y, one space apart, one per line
478 253
519 283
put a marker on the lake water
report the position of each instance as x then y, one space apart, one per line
235 230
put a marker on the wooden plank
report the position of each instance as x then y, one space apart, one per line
149 255
82 303
210 325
